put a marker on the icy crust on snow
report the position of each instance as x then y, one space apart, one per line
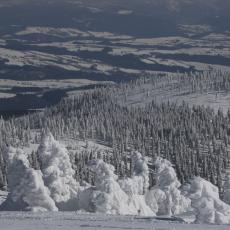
206 202
26 186
57 169
165 198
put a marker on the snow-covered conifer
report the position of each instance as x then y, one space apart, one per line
108 197
227 188
26 187
166 192
57 170
206 202
138 184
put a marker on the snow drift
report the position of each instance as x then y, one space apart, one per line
26 186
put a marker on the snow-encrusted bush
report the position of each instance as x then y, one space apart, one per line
206 202
57 170
26 187
166 192
227 188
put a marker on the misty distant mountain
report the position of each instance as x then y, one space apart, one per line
138 17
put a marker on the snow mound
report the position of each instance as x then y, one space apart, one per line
206 202
26 187
166 192
56 167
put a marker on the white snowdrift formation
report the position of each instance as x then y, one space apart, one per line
166 192
57 169
207 204
26 186
108 197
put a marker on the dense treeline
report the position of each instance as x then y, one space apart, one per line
194 138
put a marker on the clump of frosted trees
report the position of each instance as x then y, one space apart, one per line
166 192
27 190
53 187
226 195
207 205
195 139
57 169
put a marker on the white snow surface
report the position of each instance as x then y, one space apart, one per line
80 221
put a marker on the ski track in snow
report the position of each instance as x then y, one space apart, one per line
73 220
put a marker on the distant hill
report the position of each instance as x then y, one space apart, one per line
108 15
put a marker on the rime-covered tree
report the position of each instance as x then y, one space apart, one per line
26 187
226 195
166 192
57 169
206 202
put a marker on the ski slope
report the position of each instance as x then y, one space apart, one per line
73 220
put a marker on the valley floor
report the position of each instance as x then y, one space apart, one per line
72 220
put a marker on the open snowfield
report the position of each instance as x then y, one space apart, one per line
72 220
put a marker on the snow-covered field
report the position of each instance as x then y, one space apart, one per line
73 220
